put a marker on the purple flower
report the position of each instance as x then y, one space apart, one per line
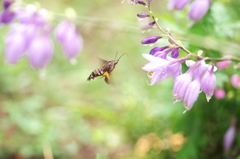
181 84
40 51
7 15
72 45
191 94
143 15
15 47
223 64
177 4
235 80
160 69
68 36
208 83
229 135
150 40
219 93
198 9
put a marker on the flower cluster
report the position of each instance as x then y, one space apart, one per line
197 10
164 62
30 36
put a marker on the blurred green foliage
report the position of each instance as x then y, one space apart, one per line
63 115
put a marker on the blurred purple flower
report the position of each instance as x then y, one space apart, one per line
40 51
223 64
219 93
229 135
7 15
150 39
175 52
15 47
198 9
7 4
72 43
177 4
235 80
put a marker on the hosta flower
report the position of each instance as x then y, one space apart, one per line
198 9
175 53
181 84
229 135
235 80
40 51
150 40
72 43
208 83
219 93
191 94
160 69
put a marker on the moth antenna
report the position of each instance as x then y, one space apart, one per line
116 55
129 60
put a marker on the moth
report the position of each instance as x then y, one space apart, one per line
105 70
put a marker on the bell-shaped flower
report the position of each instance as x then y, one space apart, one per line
229 135
160 69
175 53
235 80
208 83
223 64
191 94
7 16
15 47
181 84
219 93
72 45
198 9
40 51
150 39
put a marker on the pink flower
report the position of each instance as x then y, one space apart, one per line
219 93
230 135
235 79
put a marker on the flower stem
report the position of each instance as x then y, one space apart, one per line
236 59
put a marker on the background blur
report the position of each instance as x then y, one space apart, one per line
70 117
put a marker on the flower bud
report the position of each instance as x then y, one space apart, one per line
157 49
229 135
143 15
235 80
175 53
223 64
150 40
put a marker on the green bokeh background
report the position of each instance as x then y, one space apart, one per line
59 112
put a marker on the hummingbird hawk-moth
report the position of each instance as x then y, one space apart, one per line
105 70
